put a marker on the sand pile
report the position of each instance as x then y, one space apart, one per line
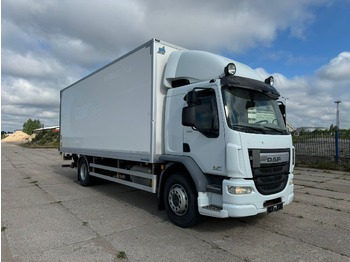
18 136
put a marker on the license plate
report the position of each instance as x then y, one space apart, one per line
275 208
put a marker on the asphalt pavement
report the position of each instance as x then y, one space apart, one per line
47 216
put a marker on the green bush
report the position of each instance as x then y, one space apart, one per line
45 138
30 126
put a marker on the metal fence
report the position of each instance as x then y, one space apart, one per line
321 144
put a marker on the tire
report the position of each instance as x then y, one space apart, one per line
180 200
83 172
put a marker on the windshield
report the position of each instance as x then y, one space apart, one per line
253 112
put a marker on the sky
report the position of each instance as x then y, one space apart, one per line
48 45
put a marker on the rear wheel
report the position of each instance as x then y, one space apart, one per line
83 172
180 198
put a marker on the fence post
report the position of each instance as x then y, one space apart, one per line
336 133
336 145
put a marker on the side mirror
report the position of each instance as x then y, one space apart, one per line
189 116
191 97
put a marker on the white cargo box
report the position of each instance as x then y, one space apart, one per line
117 111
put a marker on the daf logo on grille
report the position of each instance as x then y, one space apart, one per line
273 159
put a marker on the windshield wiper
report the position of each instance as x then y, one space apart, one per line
261 129
250 128
281 131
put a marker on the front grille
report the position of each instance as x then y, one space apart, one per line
270 178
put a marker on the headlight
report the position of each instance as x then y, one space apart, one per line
239 190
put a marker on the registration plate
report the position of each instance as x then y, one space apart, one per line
275 208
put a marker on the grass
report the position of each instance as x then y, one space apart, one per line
325 165
121 255
57 202
3 229
44 139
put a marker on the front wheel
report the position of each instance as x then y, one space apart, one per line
180 198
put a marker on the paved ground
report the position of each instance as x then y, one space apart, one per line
46 216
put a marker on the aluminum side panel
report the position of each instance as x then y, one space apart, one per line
111 109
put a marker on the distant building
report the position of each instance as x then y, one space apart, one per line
52 128
311 129
291 128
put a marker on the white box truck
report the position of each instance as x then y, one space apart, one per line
203 132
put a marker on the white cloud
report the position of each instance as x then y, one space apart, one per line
30 65
338 68
116 25
18 91
47 45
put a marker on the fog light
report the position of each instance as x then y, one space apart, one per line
239 190
291 182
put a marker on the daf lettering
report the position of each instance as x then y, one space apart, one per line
273 159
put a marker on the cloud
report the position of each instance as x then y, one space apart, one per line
16 115
30 65
18 91
338 68
47 45
117 25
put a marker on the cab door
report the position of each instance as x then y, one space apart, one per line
204 136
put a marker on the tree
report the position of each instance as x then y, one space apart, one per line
31 125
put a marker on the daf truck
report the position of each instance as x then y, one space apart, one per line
205 133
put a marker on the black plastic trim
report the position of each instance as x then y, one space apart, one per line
252 84
199 178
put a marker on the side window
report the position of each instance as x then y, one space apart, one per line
207 121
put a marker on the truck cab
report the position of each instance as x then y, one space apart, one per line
232 129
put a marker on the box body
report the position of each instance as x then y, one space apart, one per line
117 111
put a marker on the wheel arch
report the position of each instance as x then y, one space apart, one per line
182 164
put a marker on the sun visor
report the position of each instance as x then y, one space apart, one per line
252 84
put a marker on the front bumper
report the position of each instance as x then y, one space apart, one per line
243 205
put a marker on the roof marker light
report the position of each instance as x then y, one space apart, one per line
230 69
270 80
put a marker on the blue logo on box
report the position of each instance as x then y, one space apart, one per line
161 50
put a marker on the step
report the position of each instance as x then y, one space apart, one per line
212 208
